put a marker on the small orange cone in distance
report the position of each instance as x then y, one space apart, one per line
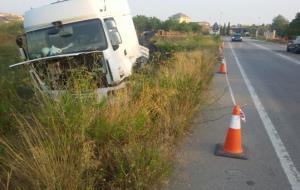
223 69
233 142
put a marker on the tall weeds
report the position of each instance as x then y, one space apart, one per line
126 141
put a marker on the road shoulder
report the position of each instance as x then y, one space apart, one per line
198 168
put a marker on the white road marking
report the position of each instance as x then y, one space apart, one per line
276 53
280 149
229 85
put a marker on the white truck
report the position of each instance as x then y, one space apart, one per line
97 37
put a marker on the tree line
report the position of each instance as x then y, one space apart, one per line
284 28
144 23
225 30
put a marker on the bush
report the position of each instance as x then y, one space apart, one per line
185 43
14 83
143 23
126 141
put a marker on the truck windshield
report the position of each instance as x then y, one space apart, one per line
70 38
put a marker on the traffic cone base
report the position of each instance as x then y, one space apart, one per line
219 151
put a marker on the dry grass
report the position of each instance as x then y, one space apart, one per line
124 142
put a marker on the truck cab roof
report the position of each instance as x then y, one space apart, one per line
72 11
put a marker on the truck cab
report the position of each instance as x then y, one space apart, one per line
95 37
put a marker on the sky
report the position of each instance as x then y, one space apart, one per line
221 11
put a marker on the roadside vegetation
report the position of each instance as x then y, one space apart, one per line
144 23
125 141
13 83
285 30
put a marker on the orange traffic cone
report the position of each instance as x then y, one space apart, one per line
233 143
223 69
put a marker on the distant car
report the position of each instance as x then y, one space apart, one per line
237 38
294 45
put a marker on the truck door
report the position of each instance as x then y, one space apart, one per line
119 54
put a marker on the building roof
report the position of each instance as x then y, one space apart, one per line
179 15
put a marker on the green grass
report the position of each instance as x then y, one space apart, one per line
186 43
14 83
126 141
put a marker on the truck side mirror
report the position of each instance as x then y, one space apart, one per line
20 44
19 41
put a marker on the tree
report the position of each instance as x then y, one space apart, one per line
263 28
221 30
170 24
252 30
280 24
155 23
294 27
224 30
140 22
196 27
228 29
183 27
143 23
216 27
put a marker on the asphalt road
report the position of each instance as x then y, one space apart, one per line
271 93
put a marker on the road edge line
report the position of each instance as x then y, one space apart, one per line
229 85
275 53
285 160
